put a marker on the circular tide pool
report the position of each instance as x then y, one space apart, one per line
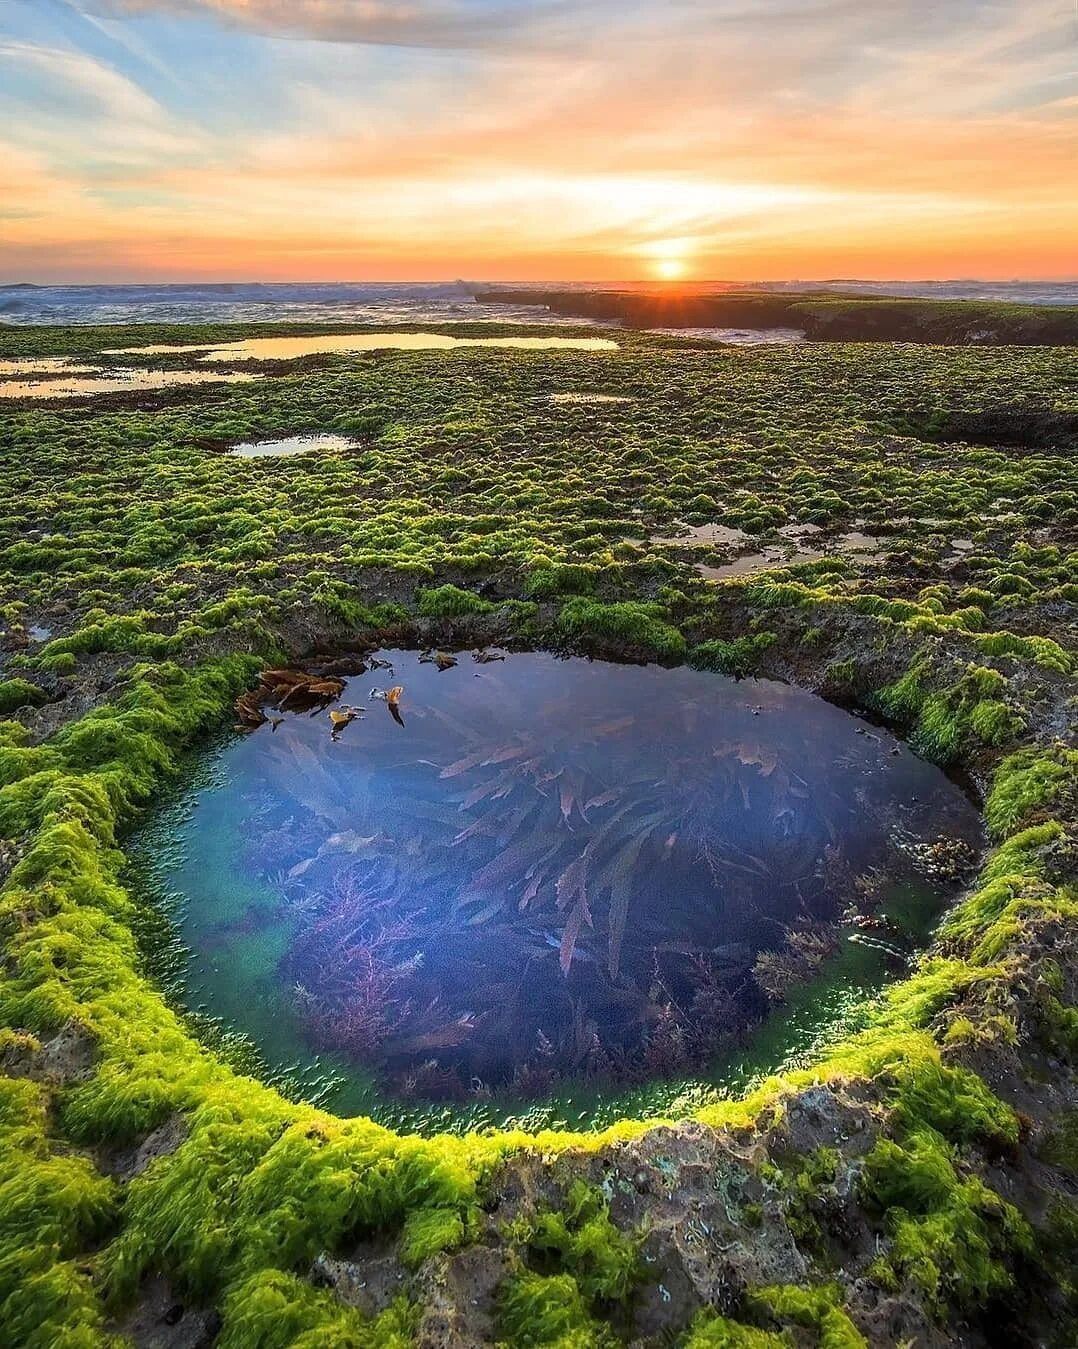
552 880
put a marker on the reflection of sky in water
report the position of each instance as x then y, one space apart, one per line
721 809
115 381
290 348
262 449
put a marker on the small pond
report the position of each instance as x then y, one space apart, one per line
546 891
112 381
303 444
291 348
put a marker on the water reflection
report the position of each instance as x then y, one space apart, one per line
291 348
288 445
737 337
540 870
792 551
116 381
33 366
852 543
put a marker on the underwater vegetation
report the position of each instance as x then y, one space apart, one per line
914 1183
537 868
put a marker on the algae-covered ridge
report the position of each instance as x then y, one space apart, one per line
917 1185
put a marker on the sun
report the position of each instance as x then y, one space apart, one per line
669 269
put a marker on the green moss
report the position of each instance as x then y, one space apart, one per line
52 1208
955 1240
1060 1147
1028 782
953 1102
273 1310
1057 1249
815 1308
807 1181
16 693
640 627
549 1311
711 1331
944 719
739 657
450 601
583 1242
428 1231
561 579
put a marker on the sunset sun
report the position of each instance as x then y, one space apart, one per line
670 268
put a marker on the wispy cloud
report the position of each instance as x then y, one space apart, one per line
341 136
423 23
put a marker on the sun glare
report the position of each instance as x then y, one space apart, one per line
670 269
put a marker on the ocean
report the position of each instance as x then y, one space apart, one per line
378 302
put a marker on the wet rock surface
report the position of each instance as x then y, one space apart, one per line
162 1319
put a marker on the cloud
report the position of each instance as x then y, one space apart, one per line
420 23
77 111
587 134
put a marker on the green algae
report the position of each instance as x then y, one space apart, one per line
948 1235
580 1240
640 627
817 1309
148 547
550 1311
272 1310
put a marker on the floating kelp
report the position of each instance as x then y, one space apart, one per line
287 690
553 868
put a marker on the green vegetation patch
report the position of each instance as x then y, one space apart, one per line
168 571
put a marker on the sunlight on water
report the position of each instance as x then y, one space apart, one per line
31 366
262 449
116 381
290 348
573 883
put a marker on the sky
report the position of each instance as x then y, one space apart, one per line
532 140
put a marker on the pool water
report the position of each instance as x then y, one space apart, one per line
289 445
537 888
113 381
292 348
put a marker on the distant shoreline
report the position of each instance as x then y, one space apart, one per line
823 316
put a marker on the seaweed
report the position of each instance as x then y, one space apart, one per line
170 574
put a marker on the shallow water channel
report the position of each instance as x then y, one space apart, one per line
549 891
53 377
291 348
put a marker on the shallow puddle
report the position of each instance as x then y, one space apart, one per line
738 337
538 872
118 381
789 553
704 535
262 449
291 348
31 366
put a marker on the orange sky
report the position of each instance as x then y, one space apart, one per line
362 139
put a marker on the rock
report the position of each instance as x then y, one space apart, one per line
369 1279
69 1056
458 1294
161 1320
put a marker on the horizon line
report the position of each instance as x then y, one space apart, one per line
656 283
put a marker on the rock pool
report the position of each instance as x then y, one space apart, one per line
535 876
